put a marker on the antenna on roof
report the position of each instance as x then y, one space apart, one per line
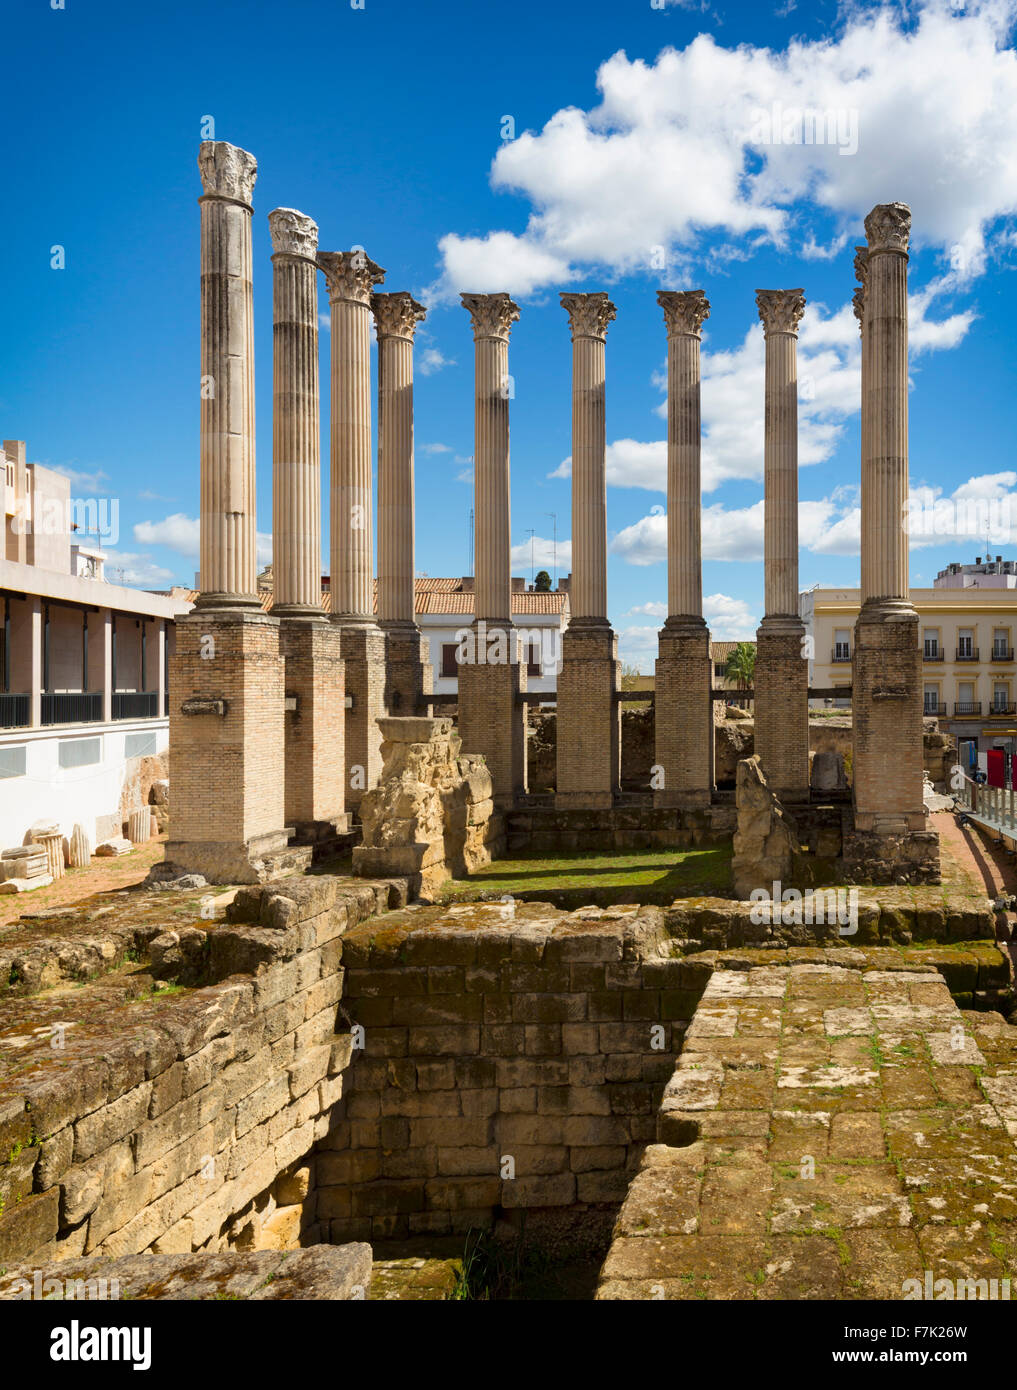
554 543
531 533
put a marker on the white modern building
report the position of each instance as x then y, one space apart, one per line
83 664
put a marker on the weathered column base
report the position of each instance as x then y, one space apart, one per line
781 701
492 720
315 728
588 718
409 675
362 649
227 746
683 715
886 718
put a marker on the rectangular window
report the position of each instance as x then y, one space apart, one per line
1000 643
932 699
842 645
932 641
720 669
449 664
139 745
965 642
1000 696
533 666
79 752
13 760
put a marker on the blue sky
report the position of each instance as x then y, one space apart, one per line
637 158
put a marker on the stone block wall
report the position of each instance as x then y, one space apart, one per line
512 1062
179 1121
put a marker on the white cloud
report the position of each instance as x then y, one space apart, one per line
436 448
431 360
95 481
678 150
649 610
125 567
177 532
730 619
546 554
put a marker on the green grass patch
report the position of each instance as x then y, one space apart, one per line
600 879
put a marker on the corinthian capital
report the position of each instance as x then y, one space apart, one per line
226 171
589 314
888 227
492 315
685 311
397 315
780 310
293 233
350 275
861 271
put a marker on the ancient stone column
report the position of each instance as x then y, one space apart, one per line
683 775
227 672
492 720
782 669
227 517
886 678
408 671
589 713
315 679
350 276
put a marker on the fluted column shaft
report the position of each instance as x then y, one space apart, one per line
885 419
228 555
589 315
492 316
684 313
781 311
396 318
296 430
350 276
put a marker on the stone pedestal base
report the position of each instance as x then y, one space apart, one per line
227 745
315 728
589 718
683 716
781 684
492 721
362 649
409 676
886 716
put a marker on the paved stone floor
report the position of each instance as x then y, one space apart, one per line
829 1132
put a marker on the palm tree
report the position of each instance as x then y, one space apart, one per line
741 665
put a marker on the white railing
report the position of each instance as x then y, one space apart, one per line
994 807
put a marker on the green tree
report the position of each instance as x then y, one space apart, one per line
741 665
542 583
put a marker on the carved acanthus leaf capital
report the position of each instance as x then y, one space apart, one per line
780 310
858 305
226 171
350 274
888 227
492 315
293 233
397 315
685 311
589 314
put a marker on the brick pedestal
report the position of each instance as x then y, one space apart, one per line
492 721
362 649
886 704
409 676
781 701
226 747
314 728
589 717
683 715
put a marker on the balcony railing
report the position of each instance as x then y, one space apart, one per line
839 654
998 710
932 654
933 709
967 707
15 711
135 704
72 707
1002 654
967 653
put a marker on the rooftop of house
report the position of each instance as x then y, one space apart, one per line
437 595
